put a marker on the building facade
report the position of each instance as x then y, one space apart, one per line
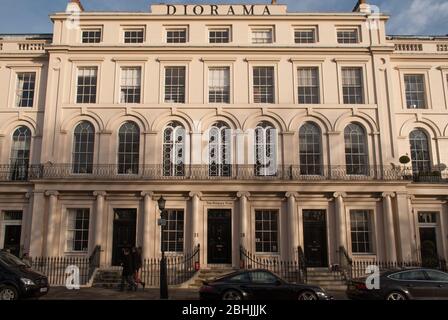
262 128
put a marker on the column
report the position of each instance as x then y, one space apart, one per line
37 224
51 222
195 197
391 251
404 228
99 217
340 213
293 236
243 218
148 225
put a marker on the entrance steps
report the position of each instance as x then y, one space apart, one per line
206 274
326 279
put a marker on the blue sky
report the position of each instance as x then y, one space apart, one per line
422 17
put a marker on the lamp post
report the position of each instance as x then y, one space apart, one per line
163 272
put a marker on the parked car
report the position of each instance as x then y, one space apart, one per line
18 280
404 284
258 284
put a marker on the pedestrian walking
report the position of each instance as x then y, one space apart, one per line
127 276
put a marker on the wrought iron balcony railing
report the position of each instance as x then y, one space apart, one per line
218 172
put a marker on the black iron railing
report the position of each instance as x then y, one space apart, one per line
55 269
303 268
221 172
94 260
288 270
345 267
179 268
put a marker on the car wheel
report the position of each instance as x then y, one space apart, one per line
307 295
232 295
396 295
8 293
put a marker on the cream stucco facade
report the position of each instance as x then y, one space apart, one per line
400 210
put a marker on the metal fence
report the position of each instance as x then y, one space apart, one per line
179 268
55 268
290 270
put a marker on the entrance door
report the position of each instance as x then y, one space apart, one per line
124 232
219 238
315 238
428 247
12 239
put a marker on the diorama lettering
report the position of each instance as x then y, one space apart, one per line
215 10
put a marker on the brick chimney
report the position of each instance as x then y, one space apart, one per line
74 6
363 7
274 2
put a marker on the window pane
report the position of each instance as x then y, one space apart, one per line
219 36
134 36
175 84
129 148
356 156
219 85
173 232
360 228
176 35
352 85
262 36
220 150
83 147
310 149
263 84
91 36
26 83
308 80
305 36
174 150
130 85
421 160
415 91
265 149
78 230
20 153
266 231
348 36
86 86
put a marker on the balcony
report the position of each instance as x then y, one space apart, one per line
217 172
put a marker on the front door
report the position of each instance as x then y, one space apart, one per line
124 233
219 237
428 247
12 239
315 238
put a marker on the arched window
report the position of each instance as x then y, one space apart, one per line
128 148
310 146
83 146
20 153
421 159
219 152
265 149
174 150
356 153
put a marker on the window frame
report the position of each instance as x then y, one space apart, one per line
254 217
211 28
209 67
366 172
342 28
363 83
83 29
274 85
16 99
255 28
430 159
373 229
298 28
120 72
72 150
174 64
29 160
423 70
13 82
319 86
424 93
68 211
321 155
139 162
308 62
131 28
77 67
169 28
176 232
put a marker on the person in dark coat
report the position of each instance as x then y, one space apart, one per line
127 276
138 262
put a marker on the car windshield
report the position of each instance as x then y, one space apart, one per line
10 260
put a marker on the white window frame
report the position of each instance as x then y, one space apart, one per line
177 28
184 232
91 28
308 62
85 63
373 224
423 70
254 62
133 28
4 223
125 66
297 28
219 28
215 66
256 28
279 230
66 231
168 62
354 63
13 81
349 28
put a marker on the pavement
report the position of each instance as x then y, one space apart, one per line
62 293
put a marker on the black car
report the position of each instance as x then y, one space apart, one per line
258 284
18 280
404 284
